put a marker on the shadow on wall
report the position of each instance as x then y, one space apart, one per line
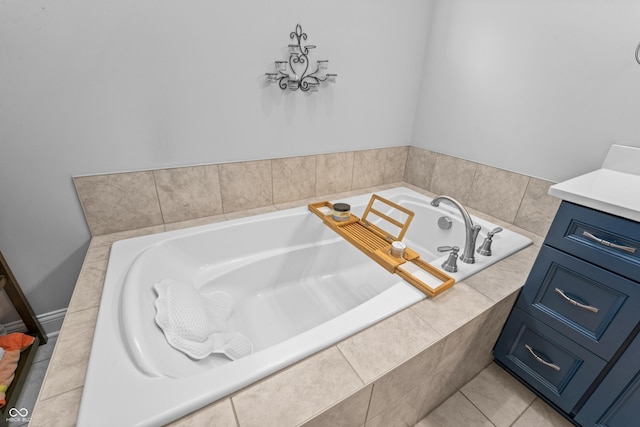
66 272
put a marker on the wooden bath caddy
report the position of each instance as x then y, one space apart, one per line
376 243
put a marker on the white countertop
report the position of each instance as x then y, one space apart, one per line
615 188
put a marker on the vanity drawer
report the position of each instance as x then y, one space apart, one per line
588 304
556 367
603 239
616 401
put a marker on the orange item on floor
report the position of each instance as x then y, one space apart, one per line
12 344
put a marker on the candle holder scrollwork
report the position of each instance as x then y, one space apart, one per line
294 73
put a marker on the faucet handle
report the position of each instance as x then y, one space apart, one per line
450 265
485 248
494 231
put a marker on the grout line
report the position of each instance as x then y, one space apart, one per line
155 187
54 396
522 413
272 184
473 180
219 190
218 171
353 169
315 190
364 383
366 415
524 194
474 405
233 409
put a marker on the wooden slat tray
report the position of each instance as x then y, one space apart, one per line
375 242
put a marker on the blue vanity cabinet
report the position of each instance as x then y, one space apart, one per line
597 237
590 305
557 368
577 312
616 401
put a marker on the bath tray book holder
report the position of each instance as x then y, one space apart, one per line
375 242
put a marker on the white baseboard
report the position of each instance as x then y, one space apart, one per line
51 323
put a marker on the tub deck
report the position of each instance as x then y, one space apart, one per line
426 336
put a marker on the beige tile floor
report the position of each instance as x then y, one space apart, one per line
493 399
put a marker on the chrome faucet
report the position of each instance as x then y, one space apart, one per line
471 231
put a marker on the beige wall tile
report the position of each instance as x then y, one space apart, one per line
483 355
351 412
460 345
538 208
189 192
437 388
97 252
294 178
525 258
218 414
497 192
246 185
395 162
88 290
535 238
294 395
498 316
334 173
68 366
59 411
402 413
380 348
396 384
118 202
251 212
194 222
505 277
453 177
453 308
297 203
109 239
419 190
469 352
368 168
419 167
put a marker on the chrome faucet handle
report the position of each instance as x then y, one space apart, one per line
450 265
485 248
494 231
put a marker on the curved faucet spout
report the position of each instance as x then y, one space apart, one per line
471 230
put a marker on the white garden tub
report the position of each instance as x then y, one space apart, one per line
297 286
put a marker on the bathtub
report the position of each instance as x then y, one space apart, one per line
297 288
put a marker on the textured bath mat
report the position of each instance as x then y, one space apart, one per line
197 324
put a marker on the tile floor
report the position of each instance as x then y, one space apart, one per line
31 388
493 399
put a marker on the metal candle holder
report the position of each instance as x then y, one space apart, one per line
294 74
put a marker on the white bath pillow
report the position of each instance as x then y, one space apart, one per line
197 324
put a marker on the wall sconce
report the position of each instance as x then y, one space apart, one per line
294 74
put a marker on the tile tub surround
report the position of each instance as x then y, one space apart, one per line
384 378
132 200
202 194
378 377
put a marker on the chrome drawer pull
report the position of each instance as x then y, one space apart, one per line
576 303
540 359
609 244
